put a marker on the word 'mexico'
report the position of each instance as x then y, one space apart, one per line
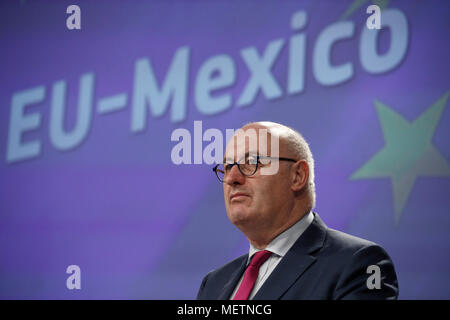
212 86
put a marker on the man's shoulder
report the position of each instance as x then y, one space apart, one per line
348 253
345 250
341 241
342 261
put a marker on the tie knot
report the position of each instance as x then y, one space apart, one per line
259 258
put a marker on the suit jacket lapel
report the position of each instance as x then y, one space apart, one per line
227 290
295 262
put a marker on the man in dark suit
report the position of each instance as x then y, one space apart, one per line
269 195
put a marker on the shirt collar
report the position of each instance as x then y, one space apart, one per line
285 240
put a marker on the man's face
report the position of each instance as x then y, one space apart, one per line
256 201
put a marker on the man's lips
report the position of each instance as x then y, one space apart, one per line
238 195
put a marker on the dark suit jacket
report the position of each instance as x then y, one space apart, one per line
322 264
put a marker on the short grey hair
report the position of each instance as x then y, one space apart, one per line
300 148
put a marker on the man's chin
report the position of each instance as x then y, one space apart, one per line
239 217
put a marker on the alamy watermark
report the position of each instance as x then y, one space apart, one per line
374 20
374 280
74 20
239 143
74 280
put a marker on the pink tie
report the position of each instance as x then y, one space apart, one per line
251 274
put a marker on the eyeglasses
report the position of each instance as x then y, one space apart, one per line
248 167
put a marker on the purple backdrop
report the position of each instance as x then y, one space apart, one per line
111 200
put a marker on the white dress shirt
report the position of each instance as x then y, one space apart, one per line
279 247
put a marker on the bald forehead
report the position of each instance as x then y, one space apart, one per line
240 144
280 131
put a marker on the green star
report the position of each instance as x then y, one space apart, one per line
408 151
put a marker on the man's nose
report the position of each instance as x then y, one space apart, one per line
234 176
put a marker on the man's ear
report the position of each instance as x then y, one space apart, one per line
300 175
